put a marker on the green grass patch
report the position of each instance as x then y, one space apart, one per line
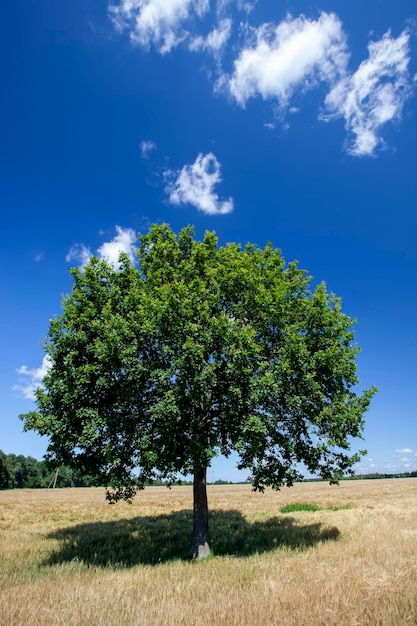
294 507
312 508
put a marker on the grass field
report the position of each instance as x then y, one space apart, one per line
343 555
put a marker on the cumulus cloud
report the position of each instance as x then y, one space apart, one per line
404 451
32 378
146 146
194 184
124 241
374 94
297 53
156 22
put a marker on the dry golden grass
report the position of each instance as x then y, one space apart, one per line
67 557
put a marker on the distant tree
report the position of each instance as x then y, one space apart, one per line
34 473
18 471
202 350
5 477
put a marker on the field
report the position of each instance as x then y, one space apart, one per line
343 555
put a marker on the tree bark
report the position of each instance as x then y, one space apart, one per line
199 542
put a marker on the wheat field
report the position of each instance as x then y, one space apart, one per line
67 557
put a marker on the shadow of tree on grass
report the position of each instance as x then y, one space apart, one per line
150 540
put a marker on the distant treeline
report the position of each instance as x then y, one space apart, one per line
374 475
25 472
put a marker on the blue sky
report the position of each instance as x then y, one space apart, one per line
287 121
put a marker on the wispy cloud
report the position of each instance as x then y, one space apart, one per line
124 241
194 184
295 54
374 94
242 5
146 147
79 253
156 22
404 451
215 41
32 379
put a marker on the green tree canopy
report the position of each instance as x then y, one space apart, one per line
201 350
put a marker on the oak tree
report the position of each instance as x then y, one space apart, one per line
199 350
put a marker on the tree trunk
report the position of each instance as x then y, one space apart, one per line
199 542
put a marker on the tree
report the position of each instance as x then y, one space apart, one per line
201 350
18 471
5 478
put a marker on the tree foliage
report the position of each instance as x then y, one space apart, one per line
201 350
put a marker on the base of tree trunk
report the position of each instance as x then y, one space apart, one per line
200 548
197 553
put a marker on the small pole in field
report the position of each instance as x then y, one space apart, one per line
52 484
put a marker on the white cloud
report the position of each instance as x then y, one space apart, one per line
146 146
79 253
215 41
33 380
298 53
374 94
242 5
404 451
194 184
156 22
124 241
